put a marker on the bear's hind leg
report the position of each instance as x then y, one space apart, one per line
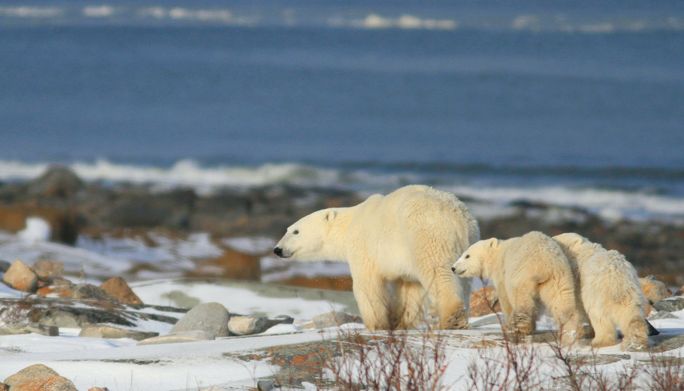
445 295
604 328
409 307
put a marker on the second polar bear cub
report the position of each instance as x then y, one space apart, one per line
525 270
610 292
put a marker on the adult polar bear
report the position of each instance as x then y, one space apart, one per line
399 247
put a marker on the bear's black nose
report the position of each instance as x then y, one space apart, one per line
453 269
278 251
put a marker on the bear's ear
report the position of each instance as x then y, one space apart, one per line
330 215
493 242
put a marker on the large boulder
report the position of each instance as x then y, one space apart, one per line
47 269
211 318
21 277
56 181
38 377
117 288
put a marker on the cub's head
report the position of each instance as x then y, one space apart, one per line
571 239
577 246
307 239
472 262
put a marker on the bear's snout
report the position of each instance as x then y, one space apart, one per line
278 251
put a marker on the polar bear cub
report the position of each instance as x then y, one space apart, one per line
610 291
525 270
399 247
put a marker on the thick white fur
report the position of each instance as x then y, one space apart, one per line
525 271
400 248
610 291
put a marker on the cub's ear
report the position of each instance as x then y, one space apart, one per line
493 242
330 215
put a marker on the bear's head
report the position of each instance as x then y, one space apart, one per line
309 238
473 262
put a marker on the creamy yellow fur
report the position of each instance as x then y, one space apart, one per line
400 248
610 291
526 271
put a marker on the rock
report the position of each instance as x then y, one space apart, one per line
98 389
117 288
46 269
90 292
248 325
670 305
70 313
483 300
40 378
49 331
60 287
232 264
21 277
104 331
144 209
654 290
334 318
211 318
267 385
180 337
61 319
57 181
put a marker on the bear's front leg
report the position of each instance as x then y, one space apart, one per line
522 297
372 298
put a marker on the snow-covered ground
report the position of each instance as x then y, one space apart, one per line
227 363
121 364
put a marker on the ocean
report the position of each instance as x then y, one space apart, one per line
572 103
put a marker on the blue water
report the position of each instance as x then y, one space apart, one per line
569 93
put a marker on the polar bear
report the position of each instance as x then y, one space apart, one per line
610 291
399 247
525 270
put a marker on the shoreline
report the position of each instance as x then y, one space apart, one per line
77 210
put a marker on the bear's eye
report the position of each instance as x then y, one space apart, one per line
467 256
295 232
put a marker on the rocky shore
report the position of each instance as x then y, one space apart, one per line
74 208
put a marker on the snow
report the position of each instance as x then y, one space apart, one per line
36 230
236 300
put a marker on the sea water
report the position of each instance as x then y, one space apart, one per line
575 103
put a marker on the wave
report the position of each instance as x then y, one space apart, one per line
446 19
503 186
407 22
188 173
31 12
611 205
